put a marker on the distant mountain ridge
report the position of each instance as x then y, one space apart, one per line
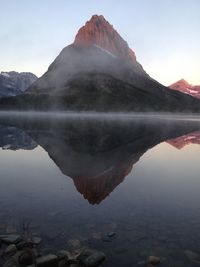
13 83
14 139
184 87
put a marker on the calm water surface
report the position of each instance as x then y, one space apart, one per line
74 180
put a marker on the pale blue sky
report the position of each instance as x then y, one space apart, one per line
163 33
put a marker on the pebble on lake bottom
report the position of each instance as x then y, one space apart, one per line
153 260
91 258
11 249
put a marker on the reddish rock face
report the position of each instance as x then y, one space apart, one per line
180 142
99 32
97 189
184 87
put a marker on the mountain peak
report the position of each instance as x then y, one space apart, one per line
183 81
183 84
184 87
98 18
98 31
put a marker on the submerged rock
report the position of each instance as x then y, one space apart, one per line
91 258
11 249
63 254
109 237
111 234
26 257
153 260
36 240
24 244
10 239
49 260
63 263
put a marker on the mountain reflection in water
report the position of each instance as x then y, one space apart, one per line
96 153
184 140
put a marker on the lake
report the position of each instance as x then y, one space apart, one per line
127 185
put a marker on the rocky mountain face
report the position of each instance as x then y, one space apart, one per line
99 72
184 87
13 83
98 32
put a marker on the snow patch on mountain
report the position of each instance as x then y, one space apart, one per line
5 74
192 91
106 51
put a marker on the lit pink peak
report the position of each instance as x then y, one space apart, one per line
183 84
184 87
99 32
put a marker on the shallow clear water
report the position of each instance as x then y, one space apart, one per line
75 180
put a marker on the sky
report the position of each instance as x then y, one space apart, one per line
164 34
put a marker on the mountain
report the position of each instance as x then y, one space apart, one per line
184 87
97 49
97 153
13 83
13 138
182 141
98 32
100 72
